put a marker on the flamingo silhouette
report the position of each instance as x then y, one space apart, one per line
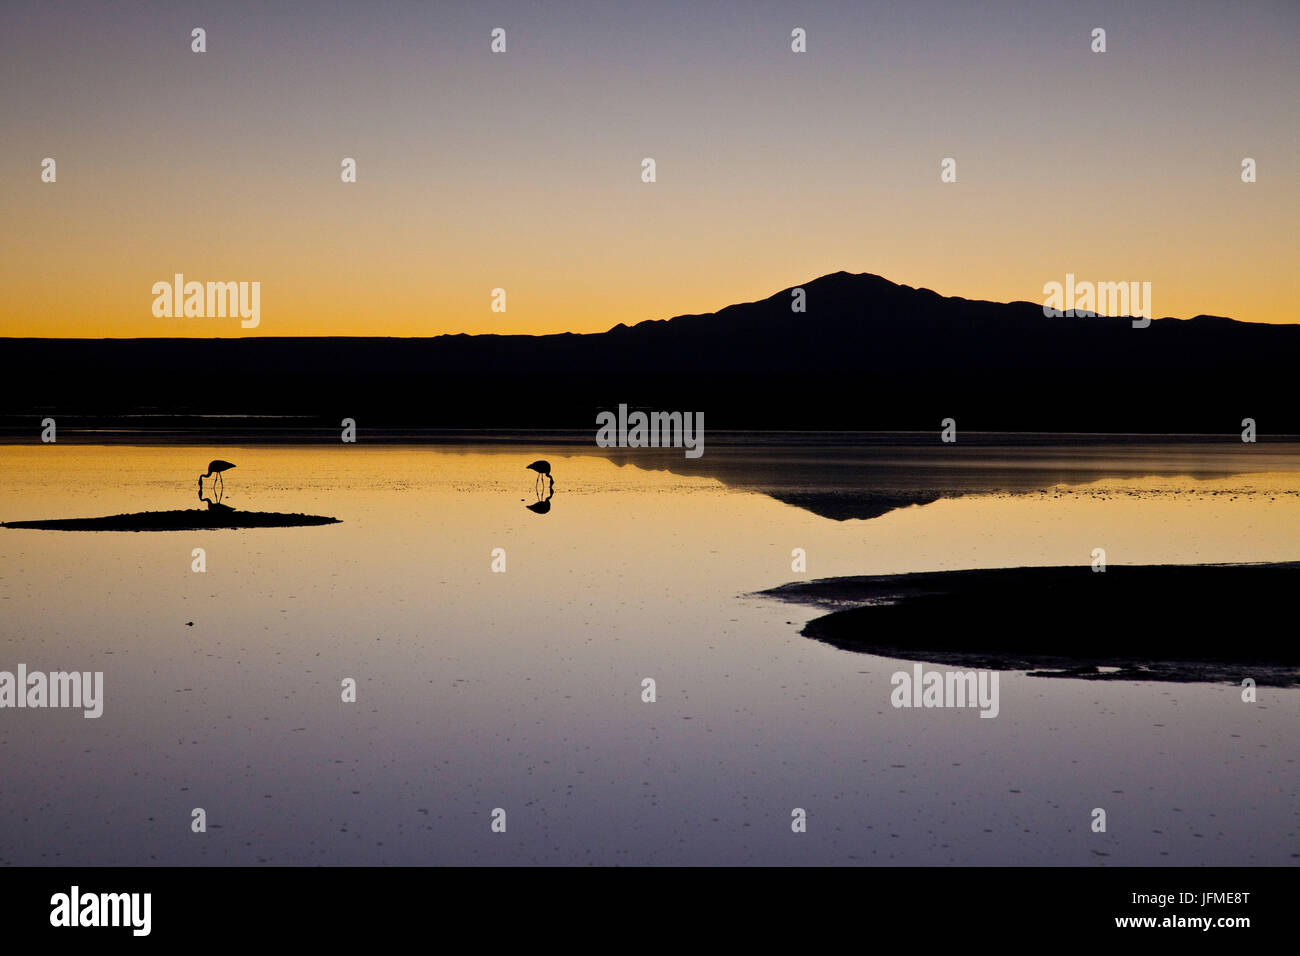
215 468
543 469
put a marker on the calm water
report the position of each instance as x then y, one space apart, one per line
522 690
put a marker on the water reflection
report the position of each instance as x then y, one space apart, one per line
522 690
543 505
864 478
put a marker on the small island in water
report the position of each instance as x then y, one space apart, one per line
191 519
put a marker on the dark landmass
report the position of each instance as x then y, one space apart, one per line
1202 622
193 519
867 354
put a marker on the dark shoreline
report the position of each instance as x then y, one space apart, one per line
1202 623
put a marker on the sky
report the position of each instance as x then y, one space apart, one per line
522 170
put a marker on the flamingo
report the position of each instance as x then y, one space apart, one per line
543 468
215 468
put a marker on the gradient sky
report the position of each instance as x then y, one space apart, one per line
522 170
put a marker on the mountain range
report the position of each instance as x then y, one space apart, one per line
865 354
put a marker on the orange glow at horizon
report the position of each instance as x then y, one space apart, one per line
522 171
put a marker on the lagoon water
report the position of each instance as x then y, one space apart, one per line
522 690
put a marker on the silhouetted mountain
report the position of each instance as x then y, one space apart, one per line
867 354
